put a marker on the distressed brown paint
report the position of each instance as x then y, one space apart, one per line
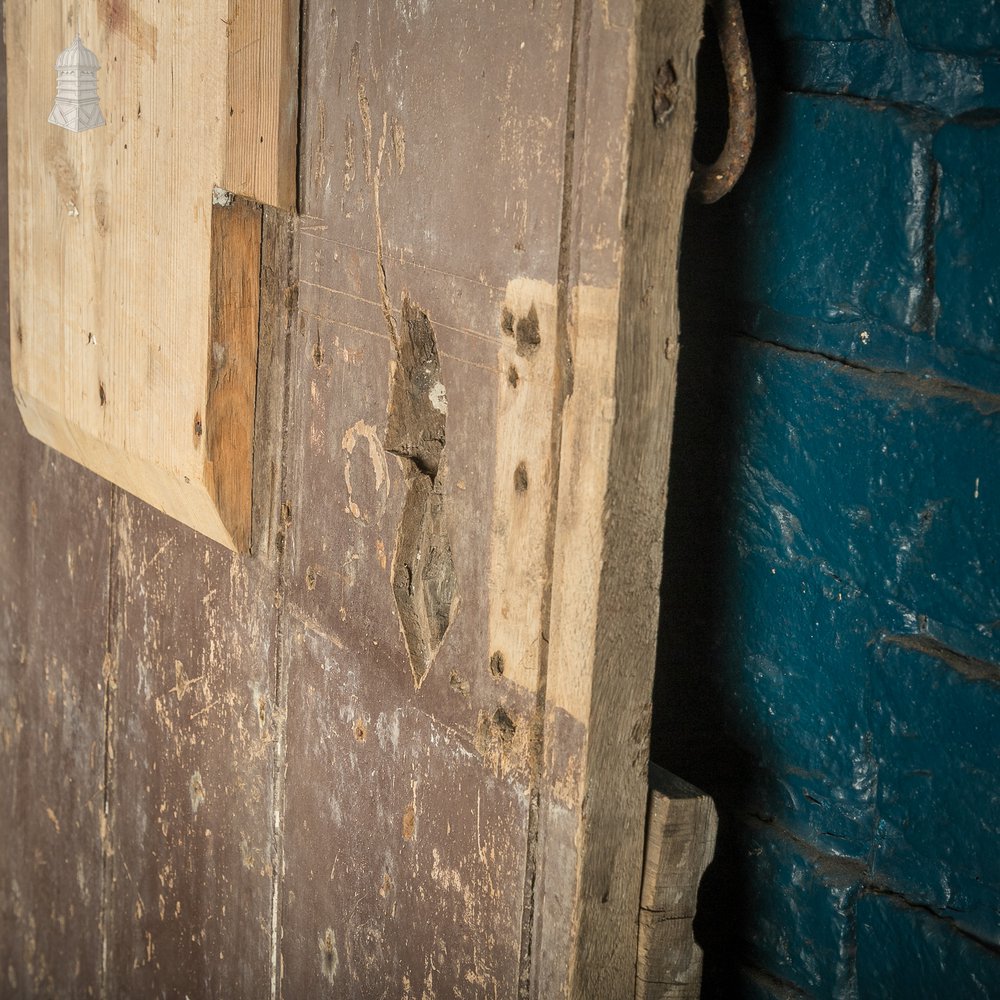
352 763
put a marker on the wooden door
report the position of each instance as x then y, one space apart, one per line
401 750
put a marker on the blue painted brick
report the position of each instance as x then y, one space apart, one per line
854 513
835 209
889 70
793 628
804 933
936 736
971 27
754 984
967 240
907 952
796 704
828 20
886 488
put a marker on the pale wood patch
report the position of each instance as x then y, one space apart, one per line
523 481
115 245
263 88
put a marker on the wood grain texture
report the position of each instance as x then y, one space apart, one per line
623 329
197 721
194 727
680 842
464 410
232 366
263 88
54 570
115 244
431 184
54 555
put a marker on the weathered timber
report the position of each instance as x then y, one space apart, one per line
680 843
624 224
431 198
194 727
358 760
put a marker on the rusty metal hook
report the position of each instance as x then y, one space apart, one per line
710 183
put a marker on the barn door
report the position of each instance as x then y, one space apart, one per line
400 750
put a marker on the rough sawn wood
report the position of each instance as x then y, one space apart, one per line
680 844
401 750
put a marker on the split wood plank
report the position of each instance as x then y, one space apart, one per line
680 845
123 331
197 722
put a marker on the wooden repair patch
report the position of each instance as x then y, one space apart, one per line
134 273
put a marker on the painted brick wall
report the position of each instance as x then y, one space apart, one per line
830 649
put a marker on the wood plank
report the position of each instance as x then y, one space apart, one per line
115 242
232 366
54 559
453 650
263 86
680 843
408 791
198 722
615 444
190 805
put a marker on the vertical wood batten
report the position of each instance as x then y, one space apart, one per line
431 195
623 329
263 93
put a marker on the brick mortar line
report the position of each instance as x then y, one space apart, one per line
931 386
867 883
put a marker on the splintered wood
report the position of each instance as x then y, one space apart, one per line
133 291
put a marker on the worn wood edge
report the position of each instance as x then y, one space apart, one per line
232 366
278 316
160 487
261 160
680 843
220 505
607 687
664 784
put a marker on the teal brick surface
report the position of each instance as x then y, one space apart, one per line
936 739
829 20
906 952
837 208
888 70
754 984
830 639
854 490
801 941
966 236
969 27
803 935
